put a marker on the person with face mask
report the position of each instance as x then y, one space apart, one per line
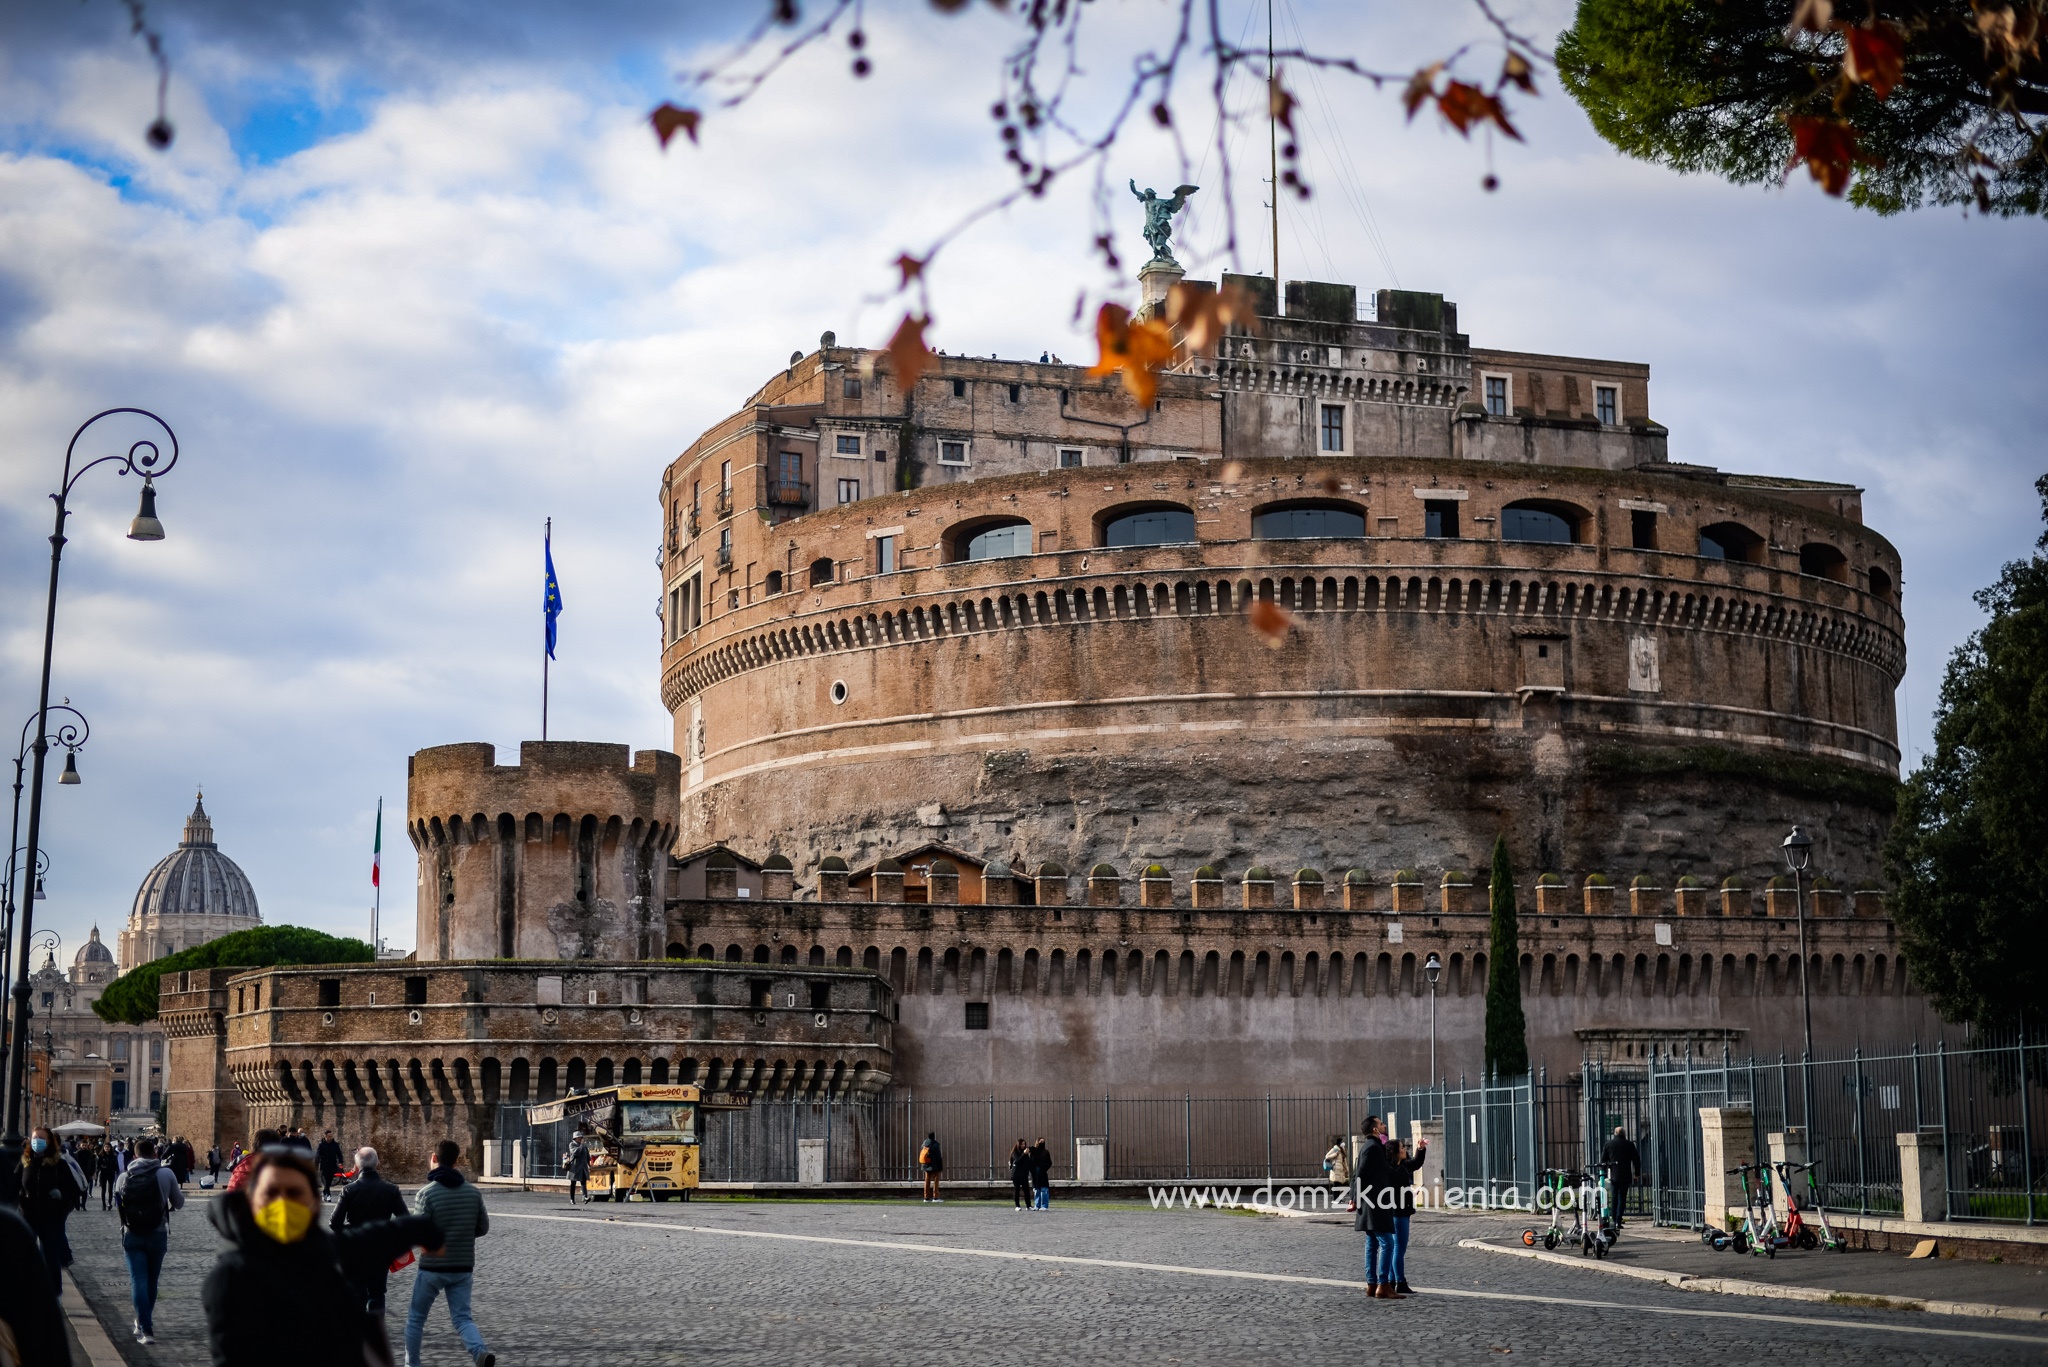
282 1290
50 1191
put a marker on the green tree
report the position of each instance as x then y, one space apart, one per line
1507 1033
131 998
1968 854
1922 101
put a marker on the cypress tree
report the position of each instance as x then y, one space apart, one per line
1507 1041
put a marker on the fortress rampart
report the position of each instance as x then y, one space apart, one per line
556 857
1612 700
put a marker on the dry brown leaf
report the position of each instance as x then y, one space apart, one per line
1280 101
1204 315
1811 16
1876 56
1420 87
1517 71
1463 105
1136 350
909 357
1272 622
910 266
1827 146
1233 471
1331 485
670 119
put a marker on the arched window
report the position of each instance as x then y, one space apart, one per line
1540 520
821 571
1731 541
996 542
1159 525
1823 561
774 585
1308 521
1880 583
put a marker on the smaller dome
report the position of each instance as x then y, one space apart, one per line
1307 876
1258 873
1357 878
777 863
1051 870
944 868
1155 872
1103 871
92 952
1688 881
996 871
721 859
1208 874
832 863
1599 880
1549 880
1643 880
888 865
1407 876
1733 882
1457 878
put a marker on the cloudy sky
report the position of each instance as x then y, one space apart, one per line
414 277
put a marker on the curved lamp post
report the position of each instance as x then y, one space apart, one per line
42 867
1434 968
71 732
147 458
1798 852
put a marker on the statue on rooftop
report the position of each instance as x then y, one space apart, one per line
1159 218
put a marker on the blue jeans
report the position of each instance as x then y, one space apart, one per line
145 1262
425 1287
1400 1248
1379 1258
1042 1198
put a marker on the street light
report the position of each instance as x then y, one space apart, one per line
144 457
1433 967
72 732
1798 852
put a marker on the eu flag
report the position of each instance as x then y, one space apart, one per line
551 595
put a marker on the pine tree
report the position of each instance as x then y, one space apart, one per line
1507 1039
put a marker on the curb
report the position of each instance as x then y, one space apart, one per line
92 1336
1733 1286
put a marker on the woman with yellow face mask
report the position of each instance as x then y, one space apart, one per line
281 1291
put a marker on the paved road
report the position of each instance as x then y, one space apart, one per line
717 1282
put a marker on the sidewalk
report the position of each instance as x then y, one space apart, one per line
1882 1280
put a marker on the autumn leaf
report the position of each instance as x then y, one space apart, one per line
1139 351
1233 471
1203 315
1421 86
911 267
1272 622
1827 146
1811 16
908 355
1876 56
1463 105
669 119
1516 71
1331 485
1280 102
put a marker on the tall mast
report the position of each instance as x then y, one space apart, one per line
1273 149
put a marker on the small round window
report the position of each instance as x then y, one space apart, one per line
838 691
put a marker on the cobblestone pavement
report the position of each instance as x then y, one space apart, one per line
716 1282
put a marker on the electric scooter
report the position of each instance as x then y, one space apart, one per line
1797 1231
1557 1182
1760 1232
1604 1225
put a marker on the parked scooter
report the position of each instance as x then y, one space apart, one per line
1602 1225
1798 1231
1564 1186
1760 1231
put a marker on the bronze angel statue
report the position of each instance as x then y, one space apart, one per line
1159 218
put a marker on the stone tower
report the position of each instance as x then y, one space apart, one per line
558 857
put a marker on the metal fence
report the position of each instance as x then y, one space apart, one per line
1986 1102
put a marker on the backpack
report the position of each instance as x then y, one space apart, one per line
142 1205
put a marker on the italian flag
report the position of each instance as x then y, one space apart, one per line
377 849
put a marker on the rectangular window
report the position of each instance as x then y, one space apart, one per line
977 1015
952 453
725 477
725 548
791 466
761 993
330 992
821 996
416 991
850 387
83 1091
959 389
1333 427
885 555
1070 458
1016 393
1497 395
121 1041
120 1095
1440 518
1607 404
1642 529
846 446
849 491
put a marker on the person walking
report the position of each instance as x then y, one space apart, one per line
457 1208
1041 1176
1375 1216
328 1157
1623 1163
78 1175
213 1164
145 1195
1020 1176
932 1160
28 1312
366 1200
1337 1165
283 1289
1405 1166
107 1169
576 1162
238 1176
180 1159
49 1193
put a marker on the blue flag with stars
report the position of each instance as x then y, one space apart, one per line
551 595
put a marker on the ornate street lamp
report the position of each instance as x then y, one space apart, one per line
142 457
1433 967
1798 852
71 732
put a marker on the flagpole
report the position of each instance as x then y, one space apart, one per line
546 654
377 882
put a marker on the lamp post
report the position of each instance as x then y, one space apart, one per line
1434 968
42 867
142 457
71 733
1798 851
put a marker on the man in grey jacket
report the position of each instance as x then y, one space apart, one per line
457 1207
145 1195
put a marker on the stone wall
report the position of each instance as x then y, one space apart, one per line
402 1056
560 856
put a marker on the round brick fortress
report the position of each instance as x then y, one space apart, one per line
1607 707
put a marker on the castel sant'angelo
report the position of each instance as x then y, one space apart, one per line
983 781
